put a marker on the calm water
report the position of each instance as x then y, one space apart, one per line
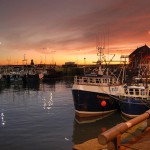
41 117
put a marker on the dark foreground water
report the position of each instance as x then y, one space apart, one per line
41 117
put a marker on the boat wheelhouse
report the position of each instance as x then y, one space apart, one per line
135 100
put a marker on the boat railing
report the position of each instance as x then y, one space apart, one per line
133 92
94 81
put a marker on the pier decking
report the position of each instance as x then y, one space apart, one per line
141 142
131 135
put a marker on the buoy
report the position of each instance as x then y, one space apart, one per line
103 103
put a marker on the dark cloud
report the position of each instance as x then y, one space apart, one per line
69 25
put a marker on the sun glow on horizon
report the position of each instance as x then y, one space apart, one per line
82 56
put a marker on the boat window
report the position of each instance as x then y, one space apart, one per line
97 80
105 81
131 91
111 80
136 91
126 90
84 79
142 92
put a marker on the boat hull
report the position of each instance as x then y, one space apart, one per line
89 103
131 107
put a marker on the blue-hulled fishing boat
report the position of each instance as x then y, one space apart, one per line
135 100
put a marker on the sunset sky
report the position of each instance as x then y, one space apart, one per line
58 31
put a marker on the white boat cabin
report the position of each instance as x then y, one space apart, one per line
93 80
137 91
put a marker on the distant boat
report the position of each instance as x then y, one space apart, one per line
31 78
51 73
15 78
12 77
96 94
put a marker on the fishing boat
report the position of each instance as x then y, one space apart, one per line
96 94
135 100
51 73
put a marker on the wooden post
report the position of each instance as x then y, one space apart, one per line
118 142
148 122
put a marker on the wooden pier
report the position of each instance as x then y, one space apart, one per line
116 137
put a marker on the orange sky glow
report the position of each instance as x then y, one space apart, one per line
60 31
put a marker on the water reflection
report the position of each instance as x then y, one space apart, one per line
32 86
86 131
36 116
47 103
83 120
27 90
3 122
51 83
20 87
68 82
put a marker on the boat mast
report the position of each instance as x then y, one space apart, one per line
99 62
124 57
100 46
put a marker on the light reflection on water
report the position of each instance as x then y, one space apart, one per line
85 131
2 119
47 103
41 116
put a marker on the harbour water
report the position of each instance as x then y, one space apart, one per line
41 117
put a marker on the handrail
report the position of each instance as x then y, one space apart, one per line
94 80
112 133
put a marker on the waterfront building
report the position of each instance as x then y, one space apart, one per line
140 56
